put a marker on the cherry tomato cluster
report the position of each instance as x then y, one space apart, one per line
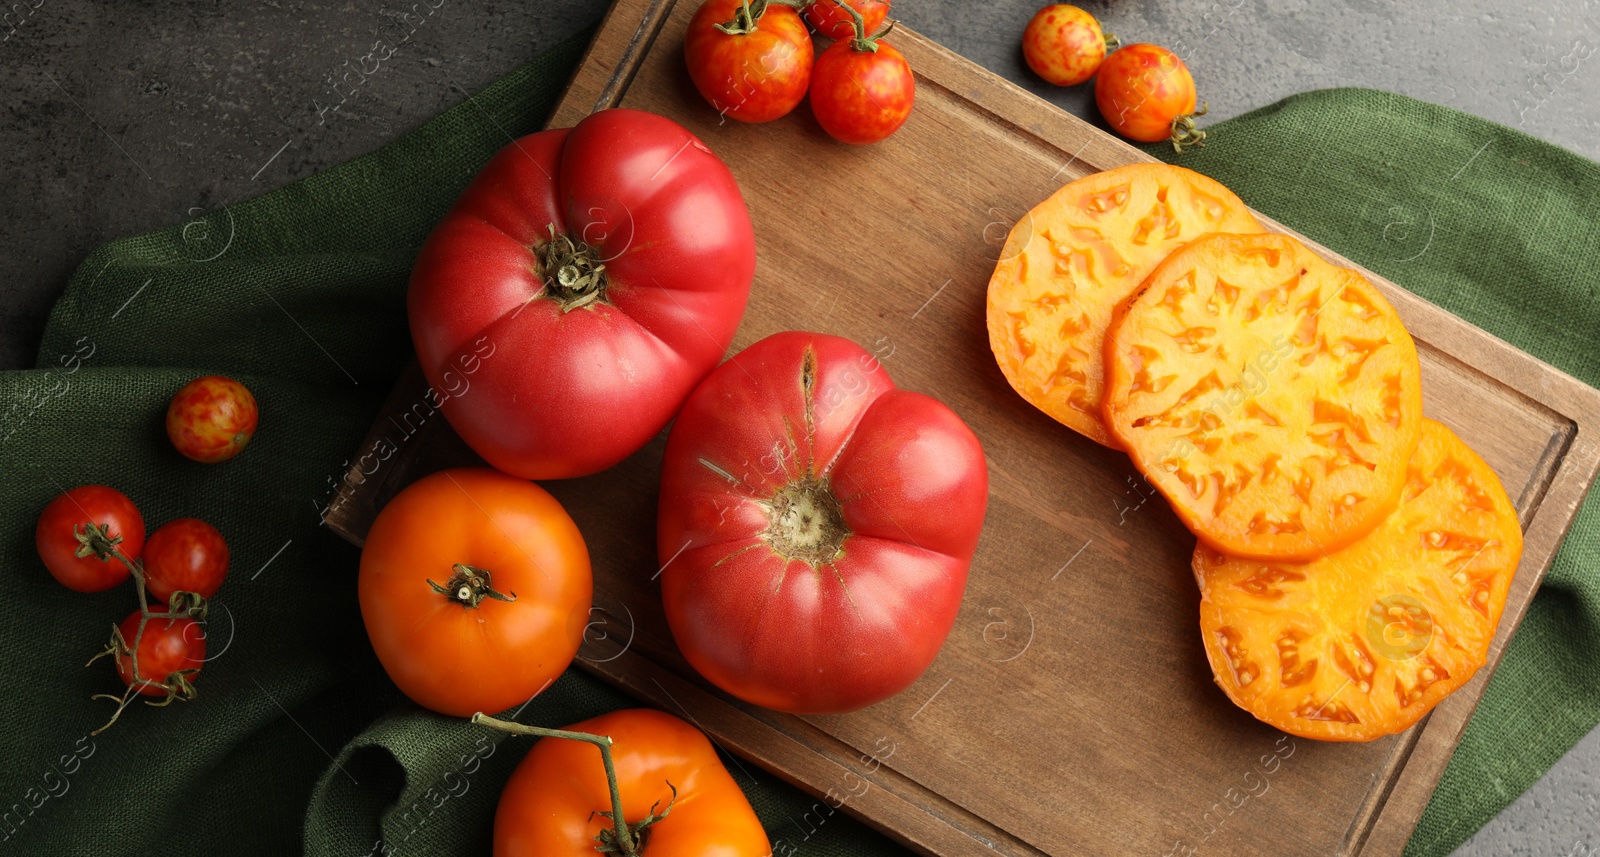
753 60
1144 91
92 538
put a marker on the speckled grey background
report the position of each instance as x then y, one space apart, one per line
121 117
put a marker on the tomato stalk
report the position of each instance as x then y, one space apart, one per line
1112 42
863 42
573 272
469 585
622 841
747 18
1185 134
96 539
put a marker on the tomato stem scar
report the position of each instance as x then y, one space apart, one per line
469 585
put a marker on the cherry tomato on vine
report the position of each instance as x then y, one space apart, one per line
170 654
185 555
475 589
862 90
76 530
1064 44
831 21
676 795
750 60
1147 94
212 419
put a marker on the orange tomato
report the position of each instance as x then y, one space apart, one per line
1064 44
475 588
1076 256
1272 397
1144 91
1366 640
551 806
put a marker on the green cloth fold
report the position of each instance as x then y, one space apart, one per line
299 742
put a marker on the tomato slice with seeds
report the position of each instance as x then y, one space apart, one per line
1363 642
1273 397
1073 258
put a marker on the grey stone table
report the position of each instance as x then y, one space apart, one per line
125 117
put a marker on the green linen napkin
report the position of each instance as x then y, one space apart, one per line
299 742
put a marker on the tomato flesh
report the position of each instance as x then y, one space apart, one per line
1273 398
1363 642
1070 261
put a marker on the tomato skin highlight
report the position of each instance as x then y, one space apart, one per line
543 388
1141 88
862 97
185 555
550 807
443 654
752 77
1063 44
831 22
816 526
168 646
57 545
212 419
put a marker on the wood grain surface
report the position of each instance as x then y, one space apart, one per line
1072 710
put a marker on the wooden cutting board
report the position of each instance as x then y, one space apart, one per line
1071 710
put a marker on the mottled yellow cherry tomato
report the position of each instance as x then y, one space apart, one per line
211 419
1064 44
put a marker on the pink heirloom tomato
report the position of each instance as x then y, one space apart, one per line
816 525
580 287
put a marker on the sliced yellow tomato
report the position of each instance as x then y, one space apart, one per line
1073 258
1272 397
1366 640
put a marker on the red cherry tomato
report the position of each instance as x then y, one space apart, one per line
833 22
861 96
1064 44
212 419
816 525
1147 94
560 355
169 646
186 555
116 521
760 70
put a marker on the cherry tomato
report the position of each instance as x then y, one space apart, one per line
1147 94
71 558
186 555
581 286
1064 44
833 22
169 646
752 68
551 805
475 589
211 419
861 96
816 526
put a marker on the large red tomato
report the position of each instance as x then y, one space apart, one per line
816 525
577 291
